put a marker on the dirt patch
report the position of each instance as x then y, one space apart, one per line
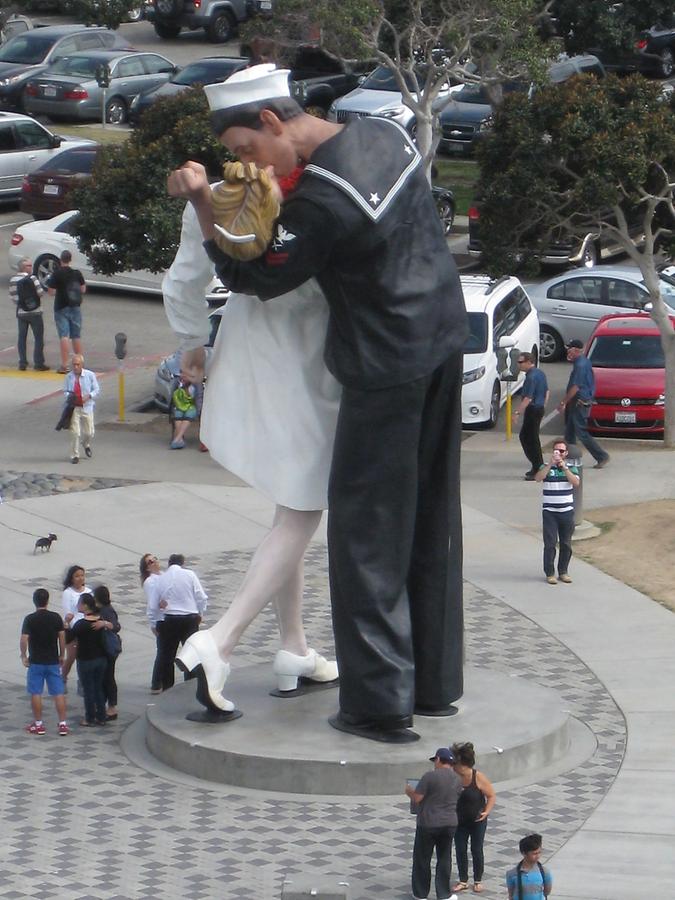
637 546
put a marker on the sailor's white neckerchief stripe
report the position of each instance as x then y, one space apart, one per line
373 205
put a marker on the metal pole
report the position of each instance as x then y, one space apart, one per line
103 99
120 392
508 410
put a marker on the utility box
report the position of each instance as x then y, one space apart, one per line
315 887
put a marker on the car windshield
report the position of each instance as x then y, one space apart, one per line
77 65
382 79
206 73
621 351
76 160
476 342
28 49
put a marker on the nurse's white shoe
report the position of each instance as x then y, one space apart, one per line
288 667
200 650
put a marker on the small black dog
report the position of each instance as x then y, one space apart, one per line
45 543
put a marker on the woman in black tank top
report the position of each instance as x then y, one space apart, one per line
473 807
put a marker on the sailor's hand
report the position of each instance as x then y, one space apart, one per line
189 181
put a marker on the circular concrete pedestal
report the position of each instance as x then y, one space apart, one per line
287 745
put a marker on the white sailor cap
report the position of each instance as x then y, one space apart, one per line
261 82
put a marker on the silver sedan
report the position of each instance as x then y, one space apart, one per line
70 90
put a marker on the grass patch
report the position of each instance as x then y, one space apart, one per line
93 132
460 176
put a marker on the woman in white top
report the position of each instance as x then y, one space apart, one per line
150 572
269 416
74 585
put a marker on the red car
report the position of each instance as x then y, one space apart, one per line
46 191
630 377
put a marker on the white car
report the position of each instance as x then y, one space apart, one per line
500 316
44 241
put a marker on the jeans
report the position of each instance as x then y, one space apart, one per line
529 436
558 527
35 323
576 428
426 841
476 833
174 630
109 682
156 679
91 673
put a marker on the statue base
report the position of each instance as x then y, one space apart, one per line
517 727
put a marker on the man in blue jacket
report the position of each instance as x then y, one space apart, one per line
577 402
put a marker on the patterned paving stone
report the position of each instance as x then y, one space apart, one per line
93 825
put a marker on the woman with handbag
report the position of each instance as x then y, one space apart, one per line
473 807
113 648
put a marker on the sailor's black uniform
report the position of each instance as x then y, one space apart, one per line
362 221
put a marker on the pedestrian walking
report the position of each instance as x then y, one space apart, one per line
559 480
150 572
42 647
185 603
436 796
529 880
473 808
533 399
82 389
577 402
25 291
67 286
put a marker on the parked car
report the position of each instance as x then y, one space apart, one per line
12 26
46 191
69 89
26 145
44 242
468 115
204 71
499 311
379 95
564 249
653 52
218 18
29 54
570 305
630 376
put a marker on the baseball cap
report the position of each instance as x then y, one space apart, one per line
444 754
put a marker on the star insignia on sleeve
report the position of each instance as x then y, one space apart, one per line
282 237
407 149
374 199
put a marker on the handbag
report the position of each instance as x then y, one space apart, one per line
112 644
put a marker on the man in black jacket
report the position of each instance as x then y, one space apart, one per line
363 222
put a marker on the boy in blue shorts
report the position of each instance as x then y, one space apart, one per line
42 649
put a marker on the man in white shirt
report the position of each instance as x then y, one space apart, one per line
81 388
186 601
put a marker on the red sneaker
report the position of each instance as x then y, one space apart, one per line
63 729
34 728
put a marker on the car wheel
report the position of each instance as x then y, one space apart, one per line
446 213
550 344
666 62
495 406
135 14
116 112
590 256
44 266
412 131
535 355
166 30
221 28
169 8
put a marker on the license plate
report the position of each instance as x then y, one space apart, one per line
52 189
49 91
625 418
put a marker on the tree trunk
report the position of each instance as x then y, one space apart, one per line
668 343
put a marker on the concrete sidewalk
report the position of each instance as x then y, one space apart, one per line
619 849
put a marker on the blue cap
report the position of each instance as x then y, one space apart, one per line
444 755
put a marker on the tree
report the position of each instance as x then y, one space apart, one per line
425 43
584 157
127 221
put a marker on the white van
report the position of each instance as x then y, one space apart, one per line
500 314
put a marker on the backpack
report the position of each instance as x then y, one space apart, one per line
28 299
74 290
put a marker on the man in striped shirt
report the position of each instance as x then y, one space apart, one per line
559 480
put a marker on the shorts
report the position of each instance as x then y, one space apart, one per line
68 322
189 414
39 673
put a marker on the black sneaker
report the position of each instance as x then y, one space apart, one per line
529 476
22 367
75 460
41 368
87 452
